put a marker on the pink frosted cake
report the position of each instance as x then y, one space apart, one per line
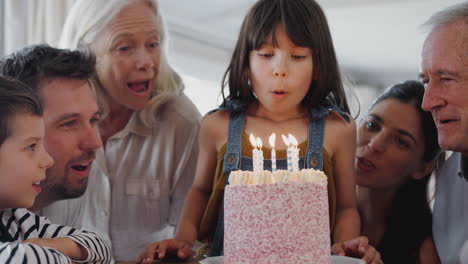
279 217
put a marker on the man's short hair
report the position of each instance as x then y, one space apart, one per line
447 16
34 64
15 98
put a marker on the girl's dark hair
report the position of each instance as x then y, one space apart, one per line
15 98
410 221
306 26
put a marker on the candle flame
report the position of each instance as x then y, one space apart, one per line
292 140
285 139
272 140
253 141
259 143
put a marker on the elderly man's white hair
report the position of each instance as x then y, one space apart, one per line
447 16
87 18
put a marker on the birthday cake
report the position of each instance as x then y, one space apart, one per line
276 217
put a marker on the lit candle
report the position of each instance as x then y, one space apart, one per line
257 153
294 152
273 151
253 141
260 154
286 141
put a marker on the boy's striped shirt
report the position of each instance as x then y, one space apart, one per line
17 225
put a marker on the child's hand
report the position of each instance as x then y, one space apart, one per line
63 244
357 248
180 248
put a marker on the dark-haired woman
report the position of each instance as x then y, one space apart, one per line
396 152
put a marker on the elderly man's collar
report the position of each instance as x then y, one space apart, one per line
463 172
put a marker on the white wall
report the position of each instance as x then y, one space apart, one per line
202 67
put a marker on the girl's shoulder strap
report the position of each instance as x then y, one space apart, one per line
234 141
318 114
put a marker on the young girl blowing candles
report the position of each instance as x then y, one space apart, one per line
283 78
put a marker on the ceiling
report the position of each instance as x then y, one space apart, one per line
378 42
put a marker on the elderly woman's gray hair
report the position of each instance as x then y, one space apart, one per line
87 18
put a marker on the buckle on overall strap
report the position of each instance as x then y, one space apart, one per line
231 162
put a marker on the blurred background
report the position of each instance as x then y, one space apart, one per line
378 42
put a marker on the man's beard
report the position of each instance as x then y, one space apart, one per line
63 191
60 187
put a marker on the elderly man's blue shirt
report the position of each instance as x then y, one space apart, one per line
450 225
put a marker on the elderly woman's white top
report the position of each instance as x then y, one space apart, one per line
138 183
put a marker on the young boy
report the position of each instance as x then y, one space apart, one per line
24 236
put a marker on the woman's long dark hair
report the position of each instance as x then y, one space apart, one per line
306 26
410 221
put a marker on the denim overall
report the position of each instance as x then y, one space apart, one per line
234 161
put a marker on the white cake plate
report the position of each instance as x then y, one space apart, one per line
334 259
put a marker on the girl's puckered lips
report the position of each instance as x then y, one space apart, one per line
279 94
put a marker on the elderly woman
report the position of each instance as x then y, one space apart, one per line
149 127
396 152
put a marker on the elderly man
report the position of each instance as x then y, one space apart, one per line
445 74
60 78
